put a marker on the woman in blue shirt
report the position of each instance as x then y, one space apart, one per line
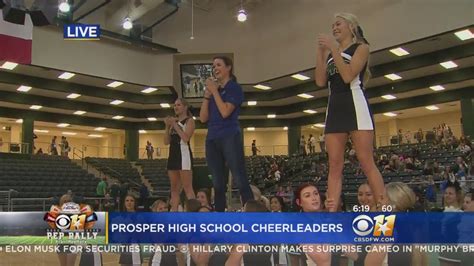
220 109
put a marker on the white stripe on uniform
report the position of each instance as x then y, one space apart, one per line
364 121
185 154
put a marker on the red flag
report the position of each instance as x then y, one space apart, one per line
16 41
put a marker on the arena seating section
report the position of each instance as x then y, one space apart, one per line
43 176
48 176
117 168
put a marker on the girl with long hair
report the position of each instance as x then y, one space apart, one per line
342 65
179 131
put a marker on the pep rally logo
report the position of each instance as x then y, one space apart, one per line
71 217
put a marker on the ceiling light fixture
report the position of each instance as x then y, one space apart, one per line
115 84
63 125
262 87
79 112
149 90
127 24
390 114
399 51
432 107
23 88
252 103
300 77
448 64
464 34
9 65
64 6
393 76
309 111
389 97
305 96
73 96
437 88
66 75
116 102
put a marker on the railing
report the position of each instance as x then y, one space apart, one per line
158 153
6 199
267 150
104 151
79 154
408 137
45 203
14 147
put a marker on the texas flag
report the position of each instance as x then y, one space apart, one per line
15 41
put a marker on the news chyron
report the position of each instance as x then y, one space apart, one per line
82 32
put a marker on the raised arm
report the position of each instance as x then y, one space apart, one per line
204 112
188 132
321 67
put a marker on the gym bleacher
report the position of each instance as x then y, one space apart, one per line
155 172
42 176
120 169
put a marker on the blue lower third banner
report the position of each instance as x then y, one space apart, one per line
292 228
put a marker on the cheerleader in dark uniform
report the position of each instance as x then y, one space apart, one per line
131 258
179 131
341 65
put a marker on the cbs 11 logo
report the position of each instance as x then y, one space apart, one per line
71 222
364 225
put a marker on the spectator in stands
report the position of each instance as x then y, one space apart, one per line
391 167
430 193
160 205
277 204
365 197
312 144
302 145
464 148
101 189
322 146
115 194
400 136
221 108
179 131
428 169
204 196
149 150
419 136
462 165
254 148
409 165
468 205
453 197
108 203
64 147
53 147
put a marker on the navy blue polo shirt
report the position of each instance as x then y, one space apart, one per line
219 127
